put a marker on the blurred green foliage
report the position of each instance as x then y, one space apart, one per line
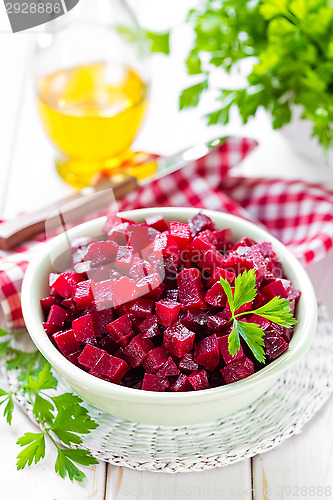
291 42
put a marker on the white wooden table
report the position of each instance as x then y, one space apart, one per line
301 466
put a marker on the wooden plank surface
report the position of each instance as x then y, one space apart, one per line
233 482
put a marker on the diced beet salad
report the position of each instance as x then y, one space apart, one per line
144 307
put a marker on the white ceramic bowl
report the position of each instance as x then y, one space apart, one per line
168 408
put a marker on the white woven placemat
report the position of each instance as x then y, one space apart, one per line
280 413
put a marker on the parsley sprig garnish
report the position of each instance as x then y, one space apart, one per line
277 310
63 420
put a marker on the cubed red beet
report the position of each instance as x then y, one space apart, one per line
140 268
207 352
237 370
70 306
90 356
198 380
190 289
218 322
111 368
216 296
168 369
220 273
243 242
155 359
211 261
101 252
165 245
164 282
157 222
153 382
52 278
124 290
103 293
181 233
293 294
66 342
84 267
178 340
172 294
84 295
124 259
267 250
167 311
275 345
138 240
187 364
121 330
198 248
92 325
151 287
209 237
181 384
55 319
79 247
285 333
149 327
73 358
136 351
101 273
224 239
65 284
274 289
200 222
141 307
108 344
224 350
258 320
236 264
194 320
48 302
118 234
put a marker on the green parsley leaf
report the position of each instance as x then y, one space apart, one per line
245 290
193 64
43 409
233 340
159 42
8 411
72 416
65 467
63 415
67 437
190 96
45 380
35 450
253 336
228 291
4 347
278 311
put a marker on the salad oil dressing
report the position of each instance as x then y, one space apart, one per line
91 112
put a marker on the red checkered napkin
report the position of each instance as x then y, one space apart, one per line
297 213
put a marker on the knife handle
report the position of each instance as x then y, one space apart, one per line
16 231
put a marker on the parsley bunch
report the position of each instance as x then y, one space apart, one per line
277 311
291 43
62 418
